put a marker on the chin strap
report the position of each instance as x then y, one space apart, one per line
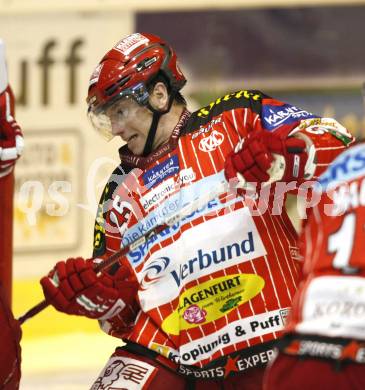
148 147
152 132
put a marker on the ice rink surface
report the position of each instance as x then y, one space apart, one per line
65 362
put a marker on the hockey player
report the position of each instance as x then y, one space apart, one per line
202 303
11 145
324 342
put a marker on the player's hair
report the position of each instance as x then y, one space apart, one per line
178 97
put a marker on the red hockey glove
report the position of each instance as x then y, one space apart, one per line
73 287
265 157
11 138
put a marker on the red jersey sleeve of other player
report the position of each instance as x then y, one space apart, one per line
11 138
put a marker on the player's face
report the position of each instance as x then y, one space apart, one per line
131 122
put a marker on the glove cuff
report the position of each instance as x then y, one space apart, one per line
310 150
118 306
6 171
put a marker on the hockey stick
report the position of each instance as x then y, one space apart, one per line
171 220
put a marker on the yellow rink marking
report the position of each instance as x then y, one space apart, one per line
54 342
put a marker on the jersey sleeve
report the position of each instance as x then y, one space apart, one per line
325 138
112 219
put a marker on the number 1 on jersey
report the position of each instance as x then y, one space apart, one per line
341 243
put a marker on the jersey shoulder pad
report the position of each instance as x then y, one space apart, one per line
240 99
276 115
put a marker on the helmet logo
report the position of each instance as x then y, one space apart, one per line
95 75
146 63
128 44
212 142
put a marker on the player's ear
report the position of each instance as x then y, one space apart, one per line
159 96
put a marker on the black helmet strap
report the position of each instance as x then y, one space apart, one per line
153 128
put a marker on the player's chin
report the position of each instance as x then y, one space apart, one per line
136 148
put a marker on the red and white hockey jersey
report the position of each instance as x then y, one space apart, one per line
222 280
331 300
